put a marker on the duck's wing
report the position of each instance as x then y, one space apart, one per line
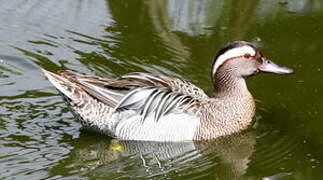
141 92
145 93
176 85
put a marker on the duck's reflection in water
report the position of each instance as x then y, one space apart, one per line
225 158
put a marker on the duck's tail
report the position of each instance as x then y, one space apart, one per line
88 110
66 83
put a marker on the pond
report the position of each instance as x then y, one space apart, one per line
40 139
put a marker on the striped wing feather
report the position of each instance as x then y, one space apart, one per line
142 92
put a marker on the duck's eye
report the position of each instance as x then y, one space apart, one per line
247 55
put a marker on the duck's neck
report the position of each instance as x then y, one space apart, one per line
227 84
233 108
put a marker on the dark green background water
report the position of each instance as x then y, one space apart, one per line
39 139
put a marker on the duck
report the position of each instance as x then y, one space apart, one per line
153 107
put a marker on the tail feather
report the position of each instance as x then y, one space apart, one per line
78 88
65 83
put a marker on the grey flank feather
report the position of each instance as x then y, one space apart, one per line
162 105
126 100
182 101
149 106
189 104
174 104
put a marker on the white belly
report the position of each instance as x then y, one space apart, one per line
171 127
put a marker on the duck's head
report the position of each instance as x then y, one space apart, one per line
242 59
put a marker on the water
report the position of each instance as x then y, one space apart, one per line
39 138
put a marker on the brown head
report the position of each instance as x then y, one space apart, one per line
239 60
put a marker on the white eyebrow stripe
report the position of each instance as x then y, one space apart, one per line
239 51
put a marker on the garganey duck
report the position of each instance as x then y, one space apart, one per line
142 106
